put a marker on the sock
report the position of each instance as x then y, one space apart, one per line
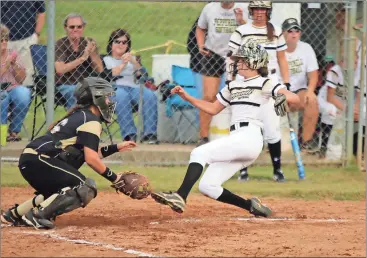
275 150
230 198
23 208
192 175
355 141
325 129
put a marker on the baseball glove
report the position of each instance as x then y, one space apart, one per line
280 105
133 185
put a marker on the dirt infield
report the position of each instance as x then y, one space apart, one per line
117 226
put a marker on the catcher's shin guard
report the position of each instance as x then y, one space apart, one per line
173 200
68 200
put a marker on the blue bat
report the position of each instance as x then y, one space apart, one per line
296 151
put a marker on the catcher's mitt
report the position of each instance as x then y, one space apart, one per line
133 184
281 105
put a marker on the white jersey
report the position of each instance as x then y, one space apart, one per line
246 97
300 62
220 24
335 80
259 34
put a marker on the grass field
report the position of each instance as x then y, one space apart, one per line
337 184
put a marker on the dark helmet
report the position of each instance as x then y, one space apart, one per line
96 91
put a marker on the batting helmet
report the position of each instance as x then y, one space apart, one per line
254 55
96 91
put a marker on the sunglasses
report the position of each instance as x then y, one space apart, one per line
291 31
116 41
75 26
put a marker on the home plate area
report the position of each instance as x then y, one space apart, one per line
117 226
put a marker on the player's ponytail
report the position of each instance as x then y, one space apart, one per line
70 111
270 31
263 71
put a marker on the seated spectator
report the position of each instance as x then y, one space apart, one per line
124 64
12 75
76 58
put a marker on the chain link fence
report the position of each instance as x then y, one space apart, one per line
144 49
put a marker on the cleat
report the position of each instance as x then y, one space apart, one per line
258 209
279 176
38 223
322 153
8 218
243 177
173 200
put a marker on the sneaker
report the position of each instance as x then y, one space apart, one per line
150 139
243 175
174 200
309 148
202 141
130 137
8 218
322 152
38 223
258 209
279 176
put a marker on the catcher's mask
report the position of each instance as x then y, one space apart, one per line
260 5
98 92
252 54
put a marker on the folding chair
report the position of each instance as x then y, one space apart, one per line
184 77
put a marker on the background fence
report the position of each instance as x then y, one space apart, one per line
159 34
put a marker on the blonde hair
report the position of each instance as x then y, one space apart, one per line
4 31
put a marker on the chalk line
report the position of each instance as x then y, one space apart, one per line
53 235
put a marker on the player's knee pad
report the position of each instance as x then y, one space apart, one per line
69 199
210 190
87 192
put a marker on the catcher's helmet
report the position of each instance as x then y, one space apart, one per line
96 91
253 55
261 4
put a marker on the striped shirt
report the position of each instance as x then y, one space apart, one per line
259 34
246 96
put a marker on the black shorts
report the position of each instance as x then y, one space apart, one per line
48 175
213 65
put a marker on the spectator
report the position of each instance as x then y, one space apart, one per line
76 58
219 21
13 93
303 73
25 20
125 65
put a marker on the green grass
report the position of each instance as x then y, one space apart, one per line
321 183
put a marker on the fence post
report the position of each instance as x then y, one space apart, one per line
50 62
351 11
362 88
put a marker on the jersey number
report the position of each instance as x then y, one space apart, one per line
58 126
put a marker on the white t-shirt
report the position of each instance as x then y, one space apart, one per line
300 62
127 72
220 24
259 34
246 97
335 80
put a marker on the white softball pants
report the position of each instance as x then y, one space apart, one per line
226 156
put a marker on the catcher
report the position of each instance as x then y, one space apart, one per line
51 162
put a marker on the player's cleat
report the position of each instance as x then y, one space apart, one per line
38 223
258 209
278 176
202 141
244 177
173 200
322 152
8 218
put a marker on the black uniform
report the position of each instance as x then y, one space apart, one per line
51 162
